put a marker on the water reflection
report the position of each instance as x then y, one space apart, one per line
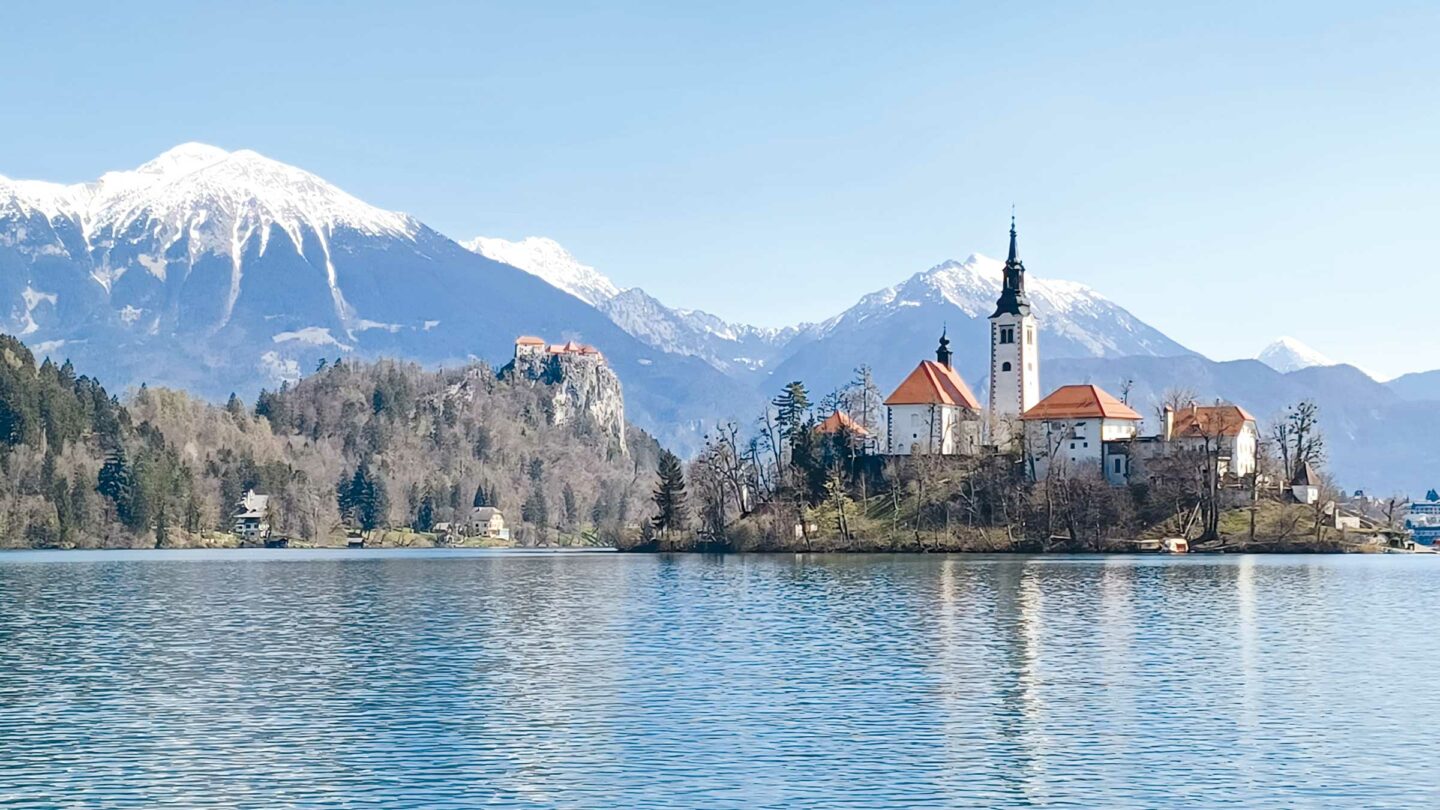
449 679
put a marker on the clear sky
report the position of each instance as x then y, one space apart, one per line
1229 174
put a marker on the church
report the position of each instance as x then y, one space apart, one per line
933 411
1076 429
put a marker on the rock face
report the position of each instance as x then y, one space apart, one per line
586 393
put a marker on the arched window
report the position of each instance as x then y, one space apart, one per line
1005 366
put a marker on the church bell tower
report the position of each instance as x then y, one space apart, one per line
1014 356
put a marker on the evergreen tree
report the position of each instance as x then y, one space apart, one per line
536 511
425 514
482 498
114 482
669 495
235 407
372 506
572 507
792 408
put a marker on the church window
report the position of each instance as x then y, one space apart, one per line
1030 336
1007 334
1005 366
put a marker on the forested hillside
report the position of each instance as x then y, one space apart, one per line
393 444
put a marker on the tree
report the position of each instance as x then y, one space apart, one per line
363 499
792 407
114 482
373 502
536 511
235 407
1298 438
572 507
669 495
425 514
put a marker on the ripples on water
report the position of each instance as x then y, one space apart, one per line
453 679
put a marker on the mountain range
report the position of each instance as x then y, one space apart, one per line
224 271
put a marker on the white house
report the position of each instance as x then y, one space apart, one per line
1014 353
1227 430
1075 427
486 521
252 517
933 411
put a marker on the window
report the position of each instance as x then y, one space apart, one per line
1007 334
1117 465
1030 336
1005 366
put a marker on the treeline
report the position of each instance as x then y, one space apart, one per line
370 445
782 483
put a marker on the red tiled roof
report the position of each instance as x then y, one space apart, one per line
838 421
1080 402
933 384
1211 420
528 340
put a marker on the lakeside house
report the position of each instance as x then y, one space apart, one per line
251 520
487 522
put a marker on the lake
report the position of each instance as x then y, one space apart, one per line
292 678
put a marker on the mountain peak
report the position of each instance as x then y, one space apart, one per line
183 159
546 258
1286 354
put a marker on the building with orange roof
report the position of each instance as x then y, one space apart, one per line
840 421
1225 430
527 346
1079 428
933 411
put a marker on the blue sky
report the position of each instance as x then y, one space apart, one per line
1229 174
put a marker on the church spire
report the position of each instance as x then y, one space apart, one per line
943 354
1014 250
1012 293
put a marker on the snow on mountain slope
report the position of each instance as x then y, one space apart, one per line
729 347
200 186
1090 323
548 260
1288 354
218 271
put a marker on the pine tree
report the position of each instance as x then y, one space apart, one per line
536 512
114 482
425 514
373 502
669 495
235 407
792 408
572 507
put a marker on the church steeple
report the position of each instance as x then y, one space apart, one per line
943 354
1012 294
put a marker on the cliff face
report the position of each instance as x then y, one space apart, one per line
584 391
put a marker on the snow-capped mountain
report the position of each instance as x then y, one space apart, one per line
547 259
892 327
1288 354
736 349
220 271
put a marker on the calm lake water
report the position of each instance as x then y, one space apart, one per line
596 680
